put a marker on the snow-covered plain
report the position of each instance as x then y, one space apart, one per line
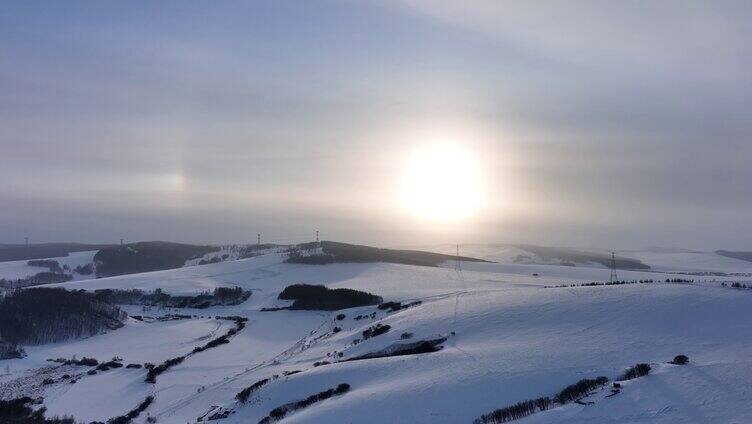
508 339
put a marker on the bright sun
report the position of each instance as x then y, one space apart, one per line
442 182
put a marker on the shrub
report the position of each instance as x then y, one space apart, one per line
680 360
406 335
340 317
89 362
636 371
336 330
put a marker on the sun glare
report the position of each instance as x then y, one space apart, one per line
442 182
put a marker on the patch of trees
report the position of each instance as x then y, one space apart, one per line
522 409
580 389
11 351
52 265
151 376
397 306
38 279
133 413
318 297
281 411
87 269
221 296
375 330
21 411
212 260
607 283
145 257
246 393
343 252
636 371
48 315
679 280
251 250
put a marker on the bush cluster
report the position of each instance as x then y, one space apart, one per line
375 330
397 306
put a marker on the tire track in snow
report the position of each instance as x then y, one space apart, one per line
285 354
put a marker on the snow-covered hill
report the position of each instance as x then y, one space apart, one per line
507 339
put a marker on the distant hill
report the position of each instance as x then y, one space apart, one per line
745 256
573 256
344 252
19 252
146 256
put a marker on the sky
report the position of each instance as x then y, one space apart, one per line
593 123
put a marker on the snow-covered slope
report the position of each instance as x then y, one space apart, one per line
658 259
14 270
508 338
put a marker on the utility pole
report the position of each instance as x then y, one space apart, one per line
121 242
258 239
458 265
613 277
317 238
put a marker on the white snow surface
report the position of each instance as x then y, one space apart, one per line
508 339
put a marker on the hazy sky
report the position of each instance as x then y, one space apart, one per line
612 124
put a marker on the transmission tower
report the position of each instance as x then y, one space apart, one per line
457 265
613 277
